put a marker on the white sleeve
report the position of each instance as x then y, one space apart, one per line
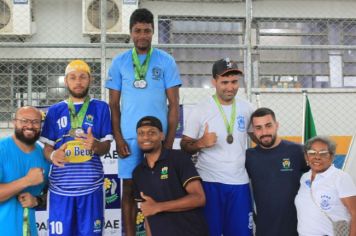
345 185
192 122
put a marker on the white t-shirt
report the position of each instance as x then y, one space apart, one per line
327 188
222 163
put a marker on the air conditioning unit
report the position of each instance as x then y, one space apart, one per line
118 15
16 18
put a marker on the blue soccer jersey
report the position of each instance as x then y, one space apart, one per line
162 74
76 179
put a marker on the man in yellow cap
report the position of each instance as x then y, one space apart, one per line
76 132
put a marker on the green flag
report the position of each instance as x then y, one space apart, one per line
309 126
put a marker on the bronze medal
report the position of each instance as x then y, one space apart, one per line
72 133
230 139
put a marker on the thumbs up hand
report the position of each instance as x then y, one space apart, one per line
149 206
208 139
89 140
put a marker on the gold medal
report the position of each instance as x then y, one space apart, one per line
230 139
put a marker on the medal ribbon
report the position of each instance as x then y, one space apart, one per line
26 223
229 125
76 119
141 70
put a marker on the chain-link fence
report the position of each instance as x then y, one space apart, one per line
284 47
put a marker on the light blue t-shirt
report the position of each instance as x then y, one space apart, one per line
14 164
136 103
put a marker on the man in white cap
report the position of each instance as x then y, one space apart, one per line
75 133
217 130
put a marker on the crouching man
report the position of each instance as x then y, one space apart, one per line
167 185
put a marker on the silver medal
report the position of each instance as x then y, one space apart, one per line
140 83
76 133
136 84
143 83
79 132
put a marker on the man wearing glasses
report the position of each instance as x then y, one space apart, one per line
22 171
274 167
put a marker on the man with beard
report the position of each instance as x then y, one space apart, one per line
76 132
274 167
140 82
22 171
167 185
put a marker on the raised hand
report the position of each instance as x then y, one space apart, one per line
209 138
89 140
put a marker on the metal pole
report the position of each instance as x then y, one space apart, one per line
248 52
303 112
29 87
258 100
103 47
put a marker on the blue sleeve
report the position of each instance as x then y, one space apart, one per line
48 129
105 122
1 163
114 80
44 164
171 74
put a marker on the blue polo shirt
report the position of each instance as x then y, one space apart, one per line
275 175
167 181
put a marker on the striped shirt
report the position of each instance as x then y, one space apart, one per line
76 179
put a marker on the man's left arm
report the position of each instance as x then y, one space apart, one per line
195 198
173 115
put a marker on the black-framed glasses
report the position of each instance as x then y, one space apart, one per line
35 122
322 153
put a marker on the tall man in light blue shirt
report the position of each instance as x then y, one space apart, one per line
142 79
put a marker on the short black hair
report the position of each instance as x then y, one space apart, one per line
262 111
141 15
